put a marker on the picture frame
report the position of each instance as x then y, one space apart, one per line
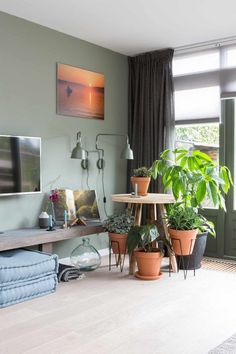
80 92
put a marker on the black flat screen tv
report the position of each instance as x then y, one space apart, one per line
20 170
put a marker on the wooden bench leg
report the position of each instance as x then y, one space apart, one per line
47 247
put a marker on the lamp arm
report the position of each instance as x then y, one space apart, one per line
78 137
107 134
93 151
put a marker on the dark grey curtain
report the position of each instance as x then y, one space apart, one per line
151 108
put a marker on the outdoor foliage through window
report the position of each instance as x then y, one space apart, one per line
203 137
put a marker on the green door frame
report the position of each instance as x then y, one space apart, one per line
221 246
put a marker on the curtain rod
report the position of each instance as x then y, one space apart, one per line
207 44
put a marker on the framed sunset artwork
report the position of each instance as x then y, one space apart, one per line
80 93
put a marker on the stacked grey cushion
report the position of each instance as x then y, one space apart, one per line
26 274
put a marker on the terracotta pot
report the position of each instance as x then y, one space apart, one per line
182 241
143 184
194 262
149 264
119 242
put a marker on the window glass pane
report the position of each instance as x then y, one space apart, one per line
196 62
197 103
203 137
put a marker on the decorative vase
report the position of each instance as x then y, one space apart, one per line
143 184
149 264
43 220
53 214
85 256
182 241
118 243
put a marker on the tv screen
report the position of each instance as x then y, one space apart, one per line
20 164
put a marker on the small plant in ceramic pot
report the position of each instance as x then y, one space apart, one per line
118 226
148 257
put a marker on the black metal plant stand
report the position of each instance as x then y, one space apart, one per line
119 257
181 261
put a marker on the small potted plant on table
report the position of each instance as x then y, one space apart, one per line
148 256
141 177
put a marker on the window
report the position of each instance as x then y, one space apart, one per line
204 137
197 82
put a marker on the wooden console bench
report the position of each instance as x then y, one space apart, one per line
34 236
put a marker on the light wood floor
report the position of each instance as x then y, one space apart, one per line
113 313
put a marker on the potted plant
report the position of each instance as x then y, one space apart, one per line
184 223
118 226
141 178
193 177
148 257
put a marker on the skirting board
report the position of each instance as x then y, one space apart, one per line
103 252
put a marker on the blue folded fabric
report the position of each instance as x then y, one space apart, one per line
25 290
21 265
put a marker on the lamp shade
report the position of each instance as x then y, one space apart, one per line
127 153
78 152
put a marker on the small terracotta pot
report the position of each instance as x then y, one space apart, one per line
182 241
119 242
149 263
143 184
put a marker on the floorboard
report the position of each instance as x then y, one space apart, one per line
112 312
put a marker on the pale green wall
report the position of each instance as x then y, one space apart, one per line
28 58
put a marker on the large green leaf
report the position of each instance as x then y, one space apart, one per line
229 175
214 192
165 154
225 180
179 156
134 238
191 164
201 192
177 187
201 155
183 161
222 202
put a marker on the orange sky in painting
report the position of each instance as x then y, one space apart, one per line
77 75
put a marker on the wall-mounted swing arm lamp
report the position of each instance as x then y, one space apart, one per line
127 152
78 152
81 154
